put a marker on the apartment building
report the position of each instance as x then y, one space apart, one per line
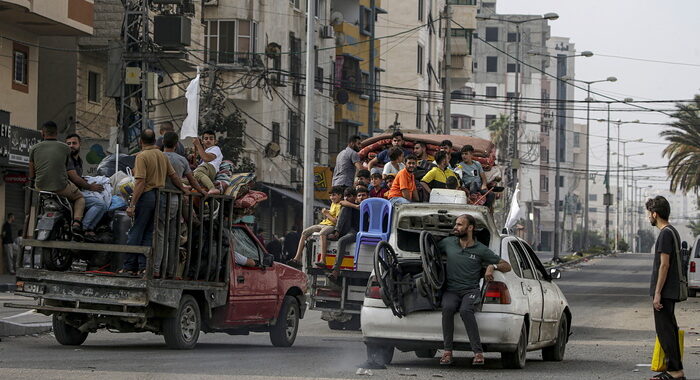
23 24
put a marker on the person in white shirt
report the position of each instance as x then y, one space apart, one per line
396 155
211 160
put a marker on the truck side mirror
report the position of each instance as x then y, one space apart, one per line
555 273
268 260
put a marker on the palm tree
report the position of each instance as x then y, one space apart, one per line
694 227
683 149
499 135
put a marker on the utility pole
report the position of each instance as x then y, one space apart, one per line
372 74
133 107
308 214
608 196
513 132
560 124
447 96
584 241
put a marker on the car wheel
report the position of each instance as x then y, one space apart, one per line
66 334
284 332
380 354
427 353
556 352
692 293
182 331
516 359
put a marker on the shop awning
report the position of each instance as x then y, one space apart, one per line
293 195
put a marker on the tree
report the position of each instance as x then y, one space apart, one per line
683 149
694 226
499 135
646 240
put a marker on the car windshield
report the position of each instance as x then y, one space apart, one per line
440 225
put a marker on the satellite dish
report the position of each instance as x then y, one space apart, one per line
340 39
342 96
336 18
272 150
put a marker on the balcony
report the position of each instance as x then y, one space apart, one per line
49 18
464 13
461 67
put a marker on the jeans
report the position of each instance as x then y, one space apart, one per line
96 208
343 244
667 332
9 250
475 188
171 246
398 200
141 232
466 302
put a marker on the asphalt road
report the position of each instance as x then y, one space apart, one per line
612 324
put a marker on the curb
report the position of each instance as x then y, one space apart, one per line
579 260
21 329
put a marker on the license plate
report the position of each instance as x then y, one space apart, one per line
34 288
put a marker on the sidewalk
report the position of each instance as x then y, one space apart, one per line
7 282
18 322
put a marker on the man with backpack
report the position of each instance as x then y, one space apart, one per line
668 286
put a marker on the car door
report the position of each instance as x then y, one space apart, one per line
529 286
253 290
552 302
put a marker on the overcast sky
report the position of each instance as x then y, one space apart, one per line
653 30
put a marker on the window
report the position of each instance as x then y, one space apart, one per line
377 82
490 119
318 146
294 3
561 181
512 37
420 10
275 132
491 34
294 133
544 154
294 56
593 197
366 85
350 74
514 262
510 95
419 113
461 122
230 41
419 59
592 209
243 244
525 268
544 183
277 78
491 91
474 66
93 87
577 139
491 64
365 21
20 67
539 270
512 67
318 83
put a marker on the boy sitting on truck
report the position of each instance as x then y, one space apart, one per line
348 226
211 160
326 227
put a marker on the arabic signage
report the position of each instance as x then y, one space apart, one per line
15 143
322 182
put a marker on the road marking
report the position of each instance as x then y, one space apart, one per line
20 314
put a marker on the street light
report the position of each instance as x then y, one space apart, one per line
617 177
513 132
588 127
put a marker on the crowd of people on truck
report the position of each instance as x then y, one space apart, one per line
161 163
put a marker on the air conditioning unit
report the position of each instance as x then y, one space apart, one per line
172 32
299 88
327 31
211 2
295 175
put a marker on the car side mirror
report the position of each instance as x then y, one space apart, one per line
268 260
555 273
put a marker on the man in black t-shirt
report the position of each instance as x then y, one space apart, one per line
8 243
665 284
291 241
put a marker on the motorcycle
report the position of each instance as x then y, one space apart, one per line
54 223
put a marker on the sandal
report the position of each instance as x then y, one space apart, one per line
446 358
478 359
294 263
666 376
320 264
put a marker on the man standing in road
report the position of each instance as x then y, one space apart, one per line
466 257
150 171
165 128
665 287
291 241
8 246
347 164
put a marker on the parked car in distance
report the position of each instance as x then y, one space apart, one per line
694 269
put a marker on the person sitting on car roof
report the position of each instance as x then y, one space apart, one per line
348 225
437 177
466 257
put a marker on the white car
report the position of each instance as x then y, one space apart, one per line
694 269
522 310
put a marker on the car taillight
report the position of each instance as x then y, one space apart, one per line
692 267
373 289
497 293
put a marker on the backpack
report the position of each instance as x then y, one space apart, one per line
683 292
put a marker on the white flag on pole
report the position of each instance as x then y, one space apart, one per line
514 209
189 126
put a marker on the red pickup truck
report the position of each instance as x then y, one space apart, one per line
210 292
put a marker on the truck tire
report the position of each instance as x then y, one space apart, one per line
517 359
692 292
66 334
352 325
182 331
284 332
380 354
556 352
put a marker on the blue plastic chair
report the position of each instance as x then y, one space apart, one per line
375 224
